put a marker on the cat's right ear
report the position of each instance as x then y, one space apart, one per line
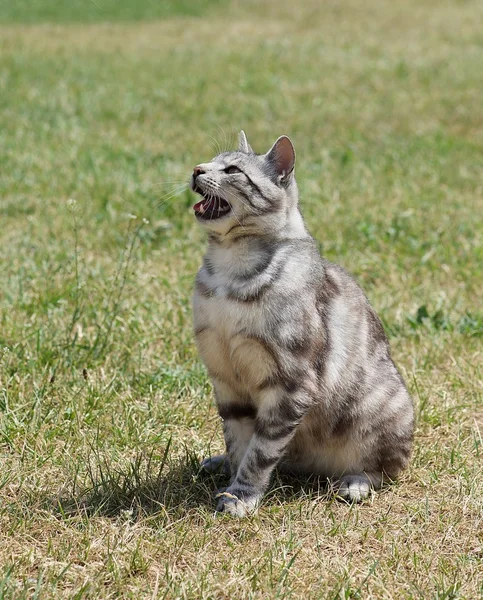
282 158
243 145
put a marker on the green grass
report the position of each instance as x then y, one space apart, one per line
90 11
105 408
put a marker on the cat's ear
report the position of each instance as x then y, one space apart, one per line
282 156
243 145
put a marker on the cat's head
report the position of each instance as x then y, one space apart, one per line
245 192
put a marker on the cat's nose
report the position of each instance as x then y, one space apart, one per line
197 171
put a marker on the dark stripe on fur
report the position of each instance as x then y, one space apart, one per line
282 421
264 461
258 190
247 197
233 227
326 292
258 294
273 433
376 332
242 480
200 330
291 382
346 419
204 290
208 266
268 252
237 411
288 411
214 237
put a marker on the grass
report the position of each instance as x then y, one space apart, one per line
89 11
105 409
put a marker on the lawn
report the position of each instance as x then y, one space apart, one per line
105 407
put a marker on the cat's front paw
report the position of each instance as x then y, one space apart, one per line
235 504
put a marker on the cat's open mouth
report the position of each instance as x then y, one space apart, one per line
211 207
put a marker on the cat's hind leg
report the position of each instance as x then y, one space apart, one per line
358 486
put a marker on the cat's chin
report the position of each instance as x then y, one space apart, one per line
211 208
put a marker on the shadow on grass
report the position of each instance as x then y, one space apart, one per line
144 487
140 488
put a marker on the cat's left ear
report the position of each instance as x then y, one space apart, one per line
282 156
243 145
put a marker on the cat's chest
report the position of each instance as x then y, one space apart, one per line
215 307
229 335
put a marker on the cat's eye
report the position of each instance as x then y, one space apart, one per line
232 169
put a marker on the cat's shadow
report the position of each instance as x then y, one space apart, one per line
183 487
131 494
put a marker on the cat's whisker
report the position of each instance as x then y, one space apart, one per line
169 196
223 142
166 198
173 182
172 189
215 199
226 142
216 145
209 197
233 136
176 189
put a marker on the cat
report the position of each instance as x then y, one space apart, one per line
299 360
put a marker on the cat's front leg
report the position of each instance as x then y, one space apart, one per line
278 416
238 416
237 431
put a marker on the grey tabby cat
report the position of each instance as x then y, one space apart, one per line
300 363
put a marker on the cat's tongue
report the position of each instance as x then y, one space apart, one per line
202 206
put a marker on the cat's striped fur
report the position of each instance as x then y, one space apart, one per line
299 360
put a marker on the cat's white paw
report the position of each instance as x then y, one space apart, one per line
216 464
353 488
233 505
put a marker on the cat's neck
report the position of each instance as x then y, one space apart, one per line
237 255
292 227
